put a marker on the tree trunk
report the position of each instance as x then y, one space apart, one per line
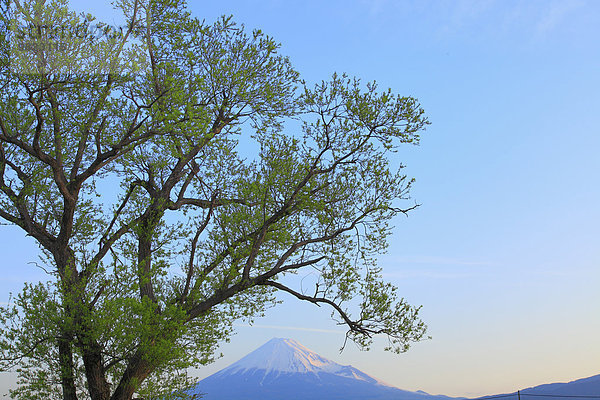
94 372
137 370
67 370
144 265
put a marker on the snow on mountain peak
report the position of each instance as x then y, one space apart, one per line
284 355
288 357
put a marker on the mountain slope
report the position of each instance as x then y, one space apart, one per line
586 388
284 369
581 387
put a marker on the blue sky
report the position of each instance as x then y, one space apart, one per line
503 254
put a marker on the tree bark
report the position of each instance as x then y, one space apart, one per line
145 264
67 370
94 372
137 370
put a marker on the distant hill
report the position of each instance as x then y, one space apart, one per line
581 389
283 369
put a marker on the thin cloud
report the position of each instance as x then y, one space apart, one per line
433 267
555 15
427 274
434 260
466 11
375 7
289 328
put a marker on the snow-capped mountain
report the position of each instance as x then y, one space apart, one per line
285 369
285 356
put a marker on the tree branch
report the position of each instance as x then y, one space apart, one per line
190 272
86 128
353 326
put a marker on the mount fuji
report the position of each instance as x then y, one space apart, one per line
285 369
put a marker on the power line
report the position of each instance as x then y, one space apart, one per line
569 396
579 396
499 396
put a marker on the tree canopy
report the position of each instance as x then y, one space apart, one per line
153 165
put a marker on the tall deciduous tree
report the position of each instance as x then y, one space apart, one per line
125 154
